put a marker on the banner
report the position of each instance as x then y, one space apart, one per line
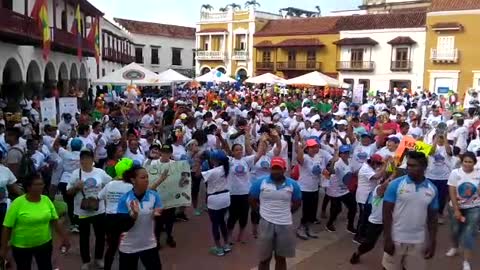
67 105
48 111
409 143
358 94
175 191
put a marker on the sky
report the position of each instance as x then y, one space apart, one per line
187 12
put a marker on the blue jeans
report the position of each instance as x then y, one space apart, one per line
442 188
465 233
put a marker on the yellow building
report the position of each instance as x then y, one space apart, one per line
224 40
452 46
292 47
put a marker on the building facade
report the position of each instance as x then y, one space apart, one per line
159 47
24 71
224 40
388 6
452 46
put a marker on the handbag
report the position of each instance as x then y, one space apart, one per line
90 203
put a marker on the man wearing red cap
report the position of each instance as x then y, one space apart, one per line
276 196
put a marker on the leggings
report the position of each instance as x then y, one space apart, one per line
164 223
43 257
309 207
217 218
372 233
336 208
98 223
238 211
68 199
255 216
113 240
442 188
365 211
326 200
150 260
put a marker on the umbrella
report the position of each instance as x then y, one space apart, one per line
131 74
171 75
215 76
314 78
268 78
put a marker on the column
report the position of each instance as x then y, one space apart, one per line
26 7
209 42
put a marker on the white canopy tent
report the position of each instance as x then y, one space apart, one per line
215 76
315 78
171 75
131 74
268 78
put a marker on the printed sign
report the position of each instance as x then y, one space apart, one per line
48 111
67 105
175 191
409 143
358 94
133 75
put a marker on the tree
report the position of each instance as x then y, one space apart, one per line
234 6
207 7
252 3
223 9
319 11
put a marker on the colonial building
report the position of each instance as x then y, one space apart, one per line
224 40
452 46
389 6
159 47
24 70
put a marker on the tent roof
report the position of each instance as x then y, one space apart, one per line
266 78
314 78
131 74
171 75
214 76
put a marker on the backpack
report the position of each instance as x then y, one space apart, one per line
295 174
27 166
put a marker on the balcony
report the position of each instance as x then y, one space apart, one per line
18 28
299 65
213 16
265 66
401 65
66 42
210 55
240 55
355 66
445 56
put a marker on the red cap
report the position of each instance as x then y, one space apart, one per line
376 158
311 143
279 162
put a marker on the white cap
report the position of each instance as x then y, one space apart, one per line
342 122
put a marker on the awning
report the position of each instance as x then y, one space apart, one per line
213 30
264 44
447 26
355 41
306 42
402 40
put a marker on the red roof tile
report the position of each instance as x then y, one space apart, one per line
402 40
299 26
355 41
157 29
213 30
445 5
447 25
264 44
307 42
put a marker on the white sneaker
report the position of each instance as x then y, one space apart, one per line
451 252
466 265
99 264
85 266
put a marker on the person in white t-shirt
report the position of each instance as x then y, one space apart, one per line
464 207
85 184
134 152
460 136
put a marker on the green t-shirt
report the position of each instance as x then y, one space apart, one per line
292 106
323 108
30 221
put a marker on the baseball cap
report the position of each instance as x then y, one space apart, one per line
76 144
376 158
342 122
365 134
218 155
278 162
311 143
344 148
225 123
393 138
166 148
155 145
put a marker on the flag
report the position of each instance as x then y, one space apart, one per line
40 15
77 31
94 38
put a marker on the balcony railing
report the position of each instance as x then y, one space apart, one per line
67 42
299 65
213 16
443 55
355 65
265 65
18 28
401 65
210 55
240 55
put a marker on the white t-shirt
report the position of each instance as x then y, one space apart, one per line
439 165
179 152
70 162
138 157
461 134
239 175
365 183
376 217
361 154
261 168
385 153
6 178
467 187
216 182
93 182
112 192
337 187
311 170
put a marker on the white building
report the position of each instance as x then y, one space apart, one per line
384 57
24 71
161 46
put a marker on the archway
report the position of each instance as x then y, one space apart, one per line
12 84
34 81
83 78
63 79
221 69
241 74
73 77
49 79
204 70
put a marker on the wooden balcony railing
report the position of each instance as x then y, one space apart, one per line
401 65
265 65
355 65
67 42
299 65
18 28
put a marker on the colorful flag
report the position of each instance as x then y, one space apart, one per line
77 31
40 14
94 38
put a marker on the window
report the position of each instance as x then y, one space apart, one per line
176 56
401 58
446 43
64 21
400 84
356 57
266 57
8 4
351 82
139 55
155 60
194 63
366 84
103 72
206 45
292 59
311 58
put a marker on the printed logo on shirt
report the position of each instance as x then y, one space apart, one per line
438 158
240 169
466 190
90 183
265 164
316 169
362 156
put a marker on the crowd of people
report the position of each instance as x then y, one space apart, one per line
258 154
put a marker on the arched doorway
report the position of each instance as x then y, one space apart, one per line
63 79
222 70
204 70
73 77
34 81
12 84
49 79
83 78
241 74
